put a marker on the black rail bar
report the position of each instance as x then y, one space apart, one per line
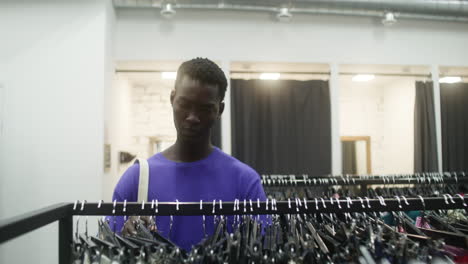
65 239
275 207
16 226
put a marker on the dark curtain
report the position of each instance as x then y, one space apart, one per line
454 111
349 164
425 143
216 134
283 126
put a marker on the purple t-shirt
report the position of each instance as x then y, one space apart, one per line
218 176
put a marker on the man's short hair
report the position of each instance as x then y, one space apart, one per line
205 71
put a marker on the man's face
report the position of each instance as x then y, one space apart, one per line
196 106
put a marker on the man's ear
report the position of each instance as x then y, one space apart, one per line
172 96
221 108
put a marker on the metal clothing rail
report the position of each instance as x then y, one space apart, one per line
19 225
292 180
64 212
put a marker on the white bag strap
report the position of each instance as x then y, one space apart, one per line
144 180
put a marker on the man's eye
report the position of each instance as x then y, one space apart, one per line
207 109
184 105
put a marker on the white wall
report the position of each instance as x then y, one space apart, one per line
362 114
2 102
118 133
384 110
55 59
152 111
398 144
144 35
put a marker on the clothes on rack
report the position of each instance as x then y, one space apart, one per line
305 180
436 237
311 192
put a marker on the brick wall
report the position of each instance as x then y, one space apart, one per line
151 117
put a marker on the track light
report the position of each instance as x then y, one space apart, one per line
389 19
284 15
168 11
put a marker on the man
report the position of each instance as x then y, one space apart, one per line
192 169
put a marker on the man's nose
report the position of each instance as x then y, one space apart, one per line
193 118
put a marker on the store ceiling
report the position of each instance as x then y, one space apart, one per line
448 10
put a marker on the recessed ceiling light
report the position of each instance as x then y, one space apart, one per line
363 77
169 75
270 76
450 79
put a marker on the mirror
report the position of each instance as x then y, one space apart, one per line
356 156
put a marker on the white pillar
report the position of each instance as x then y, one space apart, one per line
438 116
335 119
226 116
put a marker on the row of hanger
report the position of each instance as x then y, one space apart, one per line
291 238
419 178
386 192
295 204
437 237
374 176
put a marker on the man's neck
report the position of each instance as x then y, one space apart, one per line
183 151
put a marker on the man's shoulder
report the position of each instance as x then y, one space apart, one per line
128 182
229 162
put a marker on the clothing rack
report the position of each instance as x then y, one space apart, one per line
64 212
364 181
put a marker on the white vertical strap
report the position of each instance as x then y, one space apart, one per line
144 180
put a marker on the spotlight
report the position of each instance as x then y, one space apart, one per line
284 15
450 79
169 75
168 11
270 76
363 77
389 19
